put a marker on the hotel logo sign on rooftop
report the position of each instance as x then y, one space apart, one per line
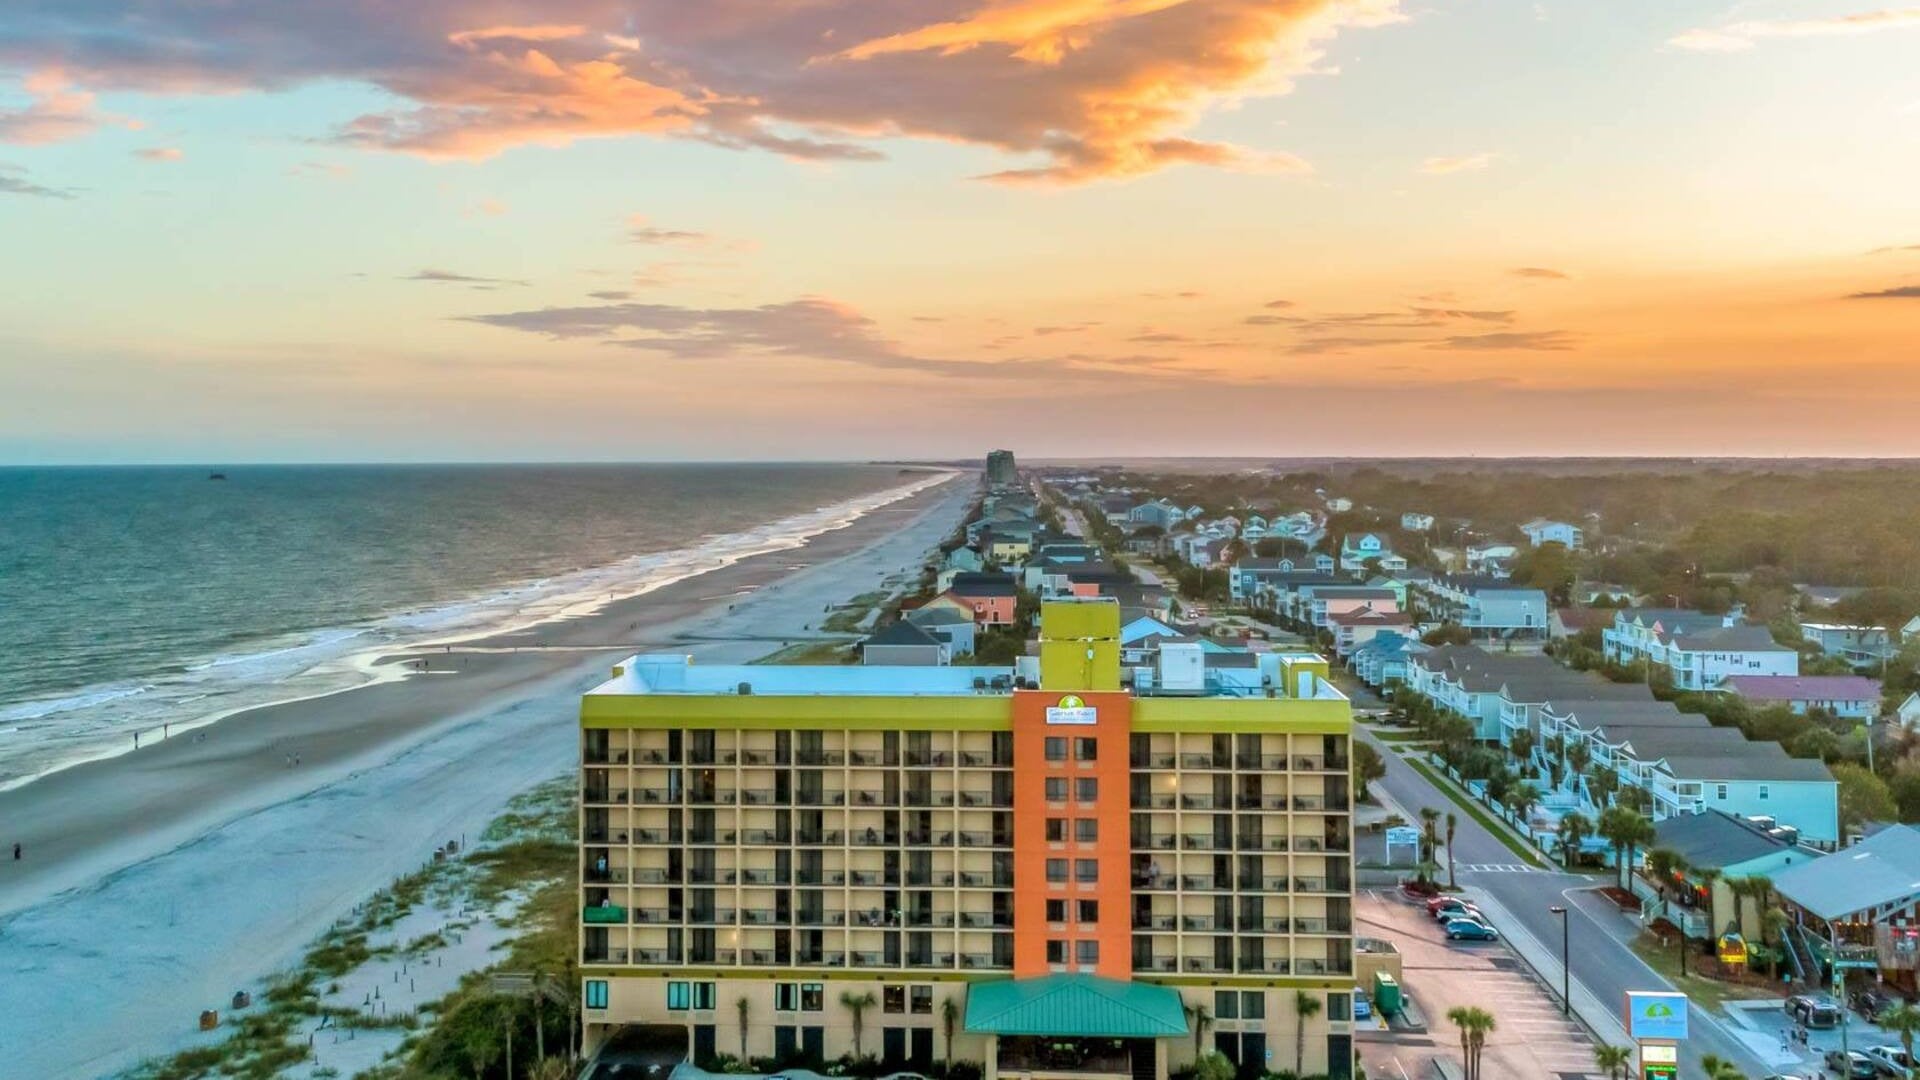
1073 710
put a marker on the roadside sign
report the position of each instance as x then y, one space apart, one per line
1656 1015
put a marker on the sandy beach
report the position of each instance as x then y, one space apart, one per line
160 881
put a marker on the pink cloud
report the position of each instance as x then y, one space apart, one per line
160 153
55 112
1083 89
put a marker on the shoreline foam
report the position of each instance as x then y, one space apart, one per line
333 660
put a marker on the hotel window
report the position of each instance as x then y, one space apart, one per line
596 993
1086 829
677 997
1056 952
1086 749
1086 869
922 998
1056 789
703 995
1226 1004
1087 952
1056 830
1056 869
786 997
1339 1007
1086 788
1056 748
1089 911
812 999
1057 911
1253 1005
893 998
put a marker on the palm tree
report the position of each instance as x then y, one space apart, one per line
1429 834
857 1004
1773 928
1475 1024
1521 745
1574 830
745 1009
1202 1018
1627 830
1524 797
949 1020
1305 1007
1602 782
1453 822
1615 1060
1661 863
1903 1020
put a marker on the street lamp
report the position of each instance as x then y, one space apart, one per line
1566 999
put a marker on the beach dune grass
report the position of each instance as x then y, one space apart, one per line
527 851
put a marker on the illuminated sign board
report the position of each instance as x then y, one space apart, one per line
1656 1015
1072 710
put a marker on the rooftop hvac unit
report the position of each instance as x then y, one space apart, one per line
1183 667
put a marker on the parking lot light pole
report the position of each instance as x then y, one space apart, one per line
1566 980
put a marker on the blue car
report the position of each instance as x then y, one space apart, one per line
1470 930
1362 1008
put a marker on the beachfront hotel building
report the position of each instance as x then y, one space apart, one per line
1061 860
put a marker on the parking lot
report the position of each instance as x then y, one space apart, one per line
1773 1032
1530 1037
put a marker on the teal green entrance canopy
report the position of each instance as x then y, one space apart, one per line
1075 1005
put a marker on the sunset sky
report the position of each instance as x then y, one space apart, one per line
320 230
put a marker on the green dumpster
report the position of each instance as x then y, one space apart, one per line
1386 993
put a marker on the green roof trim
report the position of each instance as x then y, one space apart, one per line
1075 1005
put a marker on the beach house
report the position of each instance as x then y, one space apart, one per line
1847 697
1542 531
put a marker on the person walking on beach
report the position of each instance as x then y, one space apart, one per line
16 851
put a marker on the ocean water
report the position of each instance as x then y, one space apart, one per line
132 598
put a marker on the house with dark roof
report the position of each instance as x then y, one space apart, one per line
1698 650
991 597
903 644
1733 847
1688 766
1852 697
1488 607
949 624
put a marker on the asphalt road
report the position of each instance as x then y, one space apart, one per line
1601 962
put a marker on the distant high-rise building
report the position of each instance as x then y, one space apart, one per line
1000 468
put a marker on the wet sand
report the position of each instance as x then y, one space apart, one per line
82 823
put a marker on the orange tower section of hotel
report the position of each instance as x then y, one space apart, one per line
1070 769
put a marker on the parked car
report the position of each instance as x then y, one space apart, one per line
1872 1001
1456 910
1362 1008
1815 1012
1889 1060
1434 902
1851 1064
1470 930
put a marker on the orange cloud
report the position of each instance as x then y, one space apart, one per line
1092 89
160 153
